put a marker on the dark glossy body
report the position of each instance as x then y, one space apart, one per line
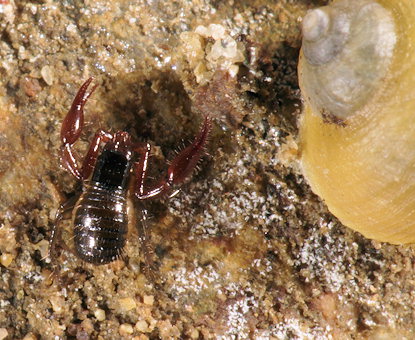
100 217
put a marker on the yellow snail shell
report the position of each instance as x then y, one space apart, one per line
357 132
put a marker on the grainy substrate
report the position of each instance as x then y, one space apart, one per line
245 250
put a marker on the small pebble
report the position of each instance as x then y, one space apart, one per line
100 314
57 303
126 329
87 326
194 334
6 259
127 303
141 337
148 300
3 333
47 74
30 86
20 294
141 326
30 336
47 277
43 247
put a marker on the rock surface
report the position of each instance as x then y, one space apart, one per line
245 250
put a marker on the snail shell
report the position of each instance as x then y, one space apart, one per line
357 132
